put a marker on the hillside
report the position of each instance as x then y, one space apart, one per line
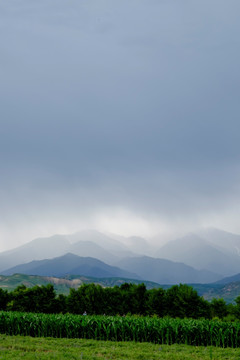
165 271
70 264
63 285
229 279
228 292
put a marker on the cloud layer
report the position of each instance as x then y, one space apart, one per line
118 113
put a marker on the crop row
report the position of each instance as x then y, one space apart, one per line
117 328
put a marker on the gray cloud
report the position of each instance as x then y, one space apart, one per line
130 105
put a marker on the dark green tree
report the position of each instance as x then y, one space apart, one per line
35 299
237 308
4 299
94 300
113 301
183 301
140 295
75 302
156 302
129 301
61 303
218 308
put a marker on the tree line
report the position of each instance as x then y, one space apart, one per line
178 301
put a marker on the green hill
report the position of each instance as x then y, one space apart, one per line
62 285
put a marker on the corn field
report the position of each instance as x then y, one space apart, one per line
117 328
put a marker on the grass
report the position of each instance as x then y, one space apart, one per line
24 347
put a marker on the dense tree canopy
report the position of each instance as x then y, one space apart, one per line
178 301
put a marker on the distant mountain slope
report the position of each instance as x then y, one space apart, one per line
90 249
70 264
99 238
165 271
201 254
229 279
86 243
136 244
229 292
112 245
37 249
222 239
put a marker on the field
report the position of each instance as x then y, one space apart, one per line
24 347
116 328
49 336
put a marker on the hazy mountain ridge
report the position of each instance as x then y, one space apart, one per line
202 254
199 257
196 248
222 239
144 268
70 264
85 243
166 271
40 248
229 279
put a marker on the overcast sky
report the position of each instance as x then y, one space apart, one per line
122 116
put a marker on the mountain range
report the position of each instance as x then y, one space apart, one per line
70 264
144 268
203 257
86 243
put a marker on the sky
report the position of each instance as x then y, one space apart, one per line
121 116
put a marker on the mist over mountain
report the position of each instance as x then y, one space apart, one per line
41 248
222 239
200 253
166 271
202 257
86 243
109 243
135 244
120 116
124 117
90 248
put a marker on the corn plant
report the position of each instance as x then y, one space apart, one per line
117 328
